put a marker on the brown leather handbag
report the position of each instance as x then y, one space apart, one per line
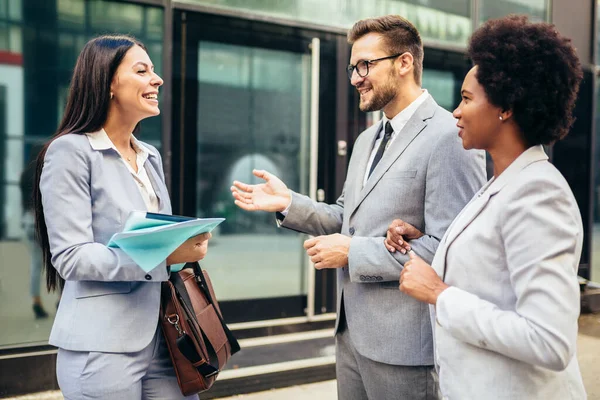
199 342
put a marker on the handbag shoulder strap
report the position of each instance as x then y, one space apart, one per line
206 367
235 346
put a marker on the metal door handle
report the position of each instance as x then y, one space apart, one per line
342 148
320 195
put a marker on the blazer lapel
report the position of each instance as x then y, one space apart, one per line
472 210
411 130
478 203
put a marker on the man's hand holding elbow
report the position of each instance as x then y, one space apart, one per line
399 234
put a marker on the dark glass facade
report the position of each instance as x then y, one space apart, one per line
39 43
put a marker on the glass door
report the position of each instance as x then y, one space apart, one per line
245 94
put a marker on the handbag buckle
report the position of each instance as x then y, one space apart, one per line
174 320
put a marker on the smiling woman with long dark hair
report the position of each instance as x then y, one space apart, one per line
90 176
504 279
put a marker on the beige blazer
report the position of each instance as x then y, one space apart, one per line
507 327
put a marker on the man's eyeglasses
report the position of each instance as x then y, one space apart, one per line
362 67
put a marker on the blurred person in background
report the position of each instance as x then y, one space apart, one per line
503 283
26 181
90 176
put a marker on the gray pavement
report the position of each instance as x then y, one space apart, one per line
588 353
314 391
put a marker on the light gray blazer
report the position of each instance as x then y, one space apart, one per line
507 327
109 304
425 178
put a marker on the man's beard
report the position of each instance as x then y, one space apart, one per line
380 98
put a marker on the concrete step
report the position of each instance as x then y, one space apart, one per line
277 361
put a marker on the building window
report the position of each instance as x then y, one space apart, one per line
537 10
39 43
438 21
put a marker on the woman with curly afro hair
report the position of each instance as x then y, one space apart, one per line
503 284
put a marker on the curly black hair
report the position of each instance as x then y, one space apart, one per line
531 69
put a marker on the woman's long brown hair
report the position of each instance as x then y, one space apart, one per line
86 111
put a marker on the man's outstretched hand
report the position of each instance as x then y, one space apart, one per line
272 196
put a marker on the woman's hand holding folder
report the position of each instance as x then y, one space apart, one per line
192 250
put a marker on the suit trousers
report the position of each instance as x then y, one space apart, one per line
360 378
146 374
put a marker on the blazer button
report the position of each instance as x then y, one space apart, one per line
351 230
148 277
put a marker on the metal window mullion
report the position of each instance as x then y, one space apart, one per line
167 91
475 7
314 158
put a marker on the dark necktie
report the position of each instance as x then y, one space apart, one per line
386 138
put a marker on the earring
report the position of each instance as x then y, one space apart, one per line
111 95
500 118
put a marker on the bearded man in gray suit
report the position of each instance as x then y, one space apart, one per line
410 166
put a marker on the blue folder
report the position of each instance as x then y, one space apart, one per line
149 238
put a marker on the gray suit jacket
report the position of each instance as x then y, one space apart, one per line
425 178
507 326
109 304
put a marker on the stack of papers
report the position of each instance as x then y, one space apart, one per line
149 238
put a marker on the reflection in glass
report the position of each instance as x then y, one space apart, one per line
4 37
67 51
16 39
154 25
32 98
10 37
15 10
71 13
537 10
442 86
118 17
595 256
252 113
3 183
437 20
